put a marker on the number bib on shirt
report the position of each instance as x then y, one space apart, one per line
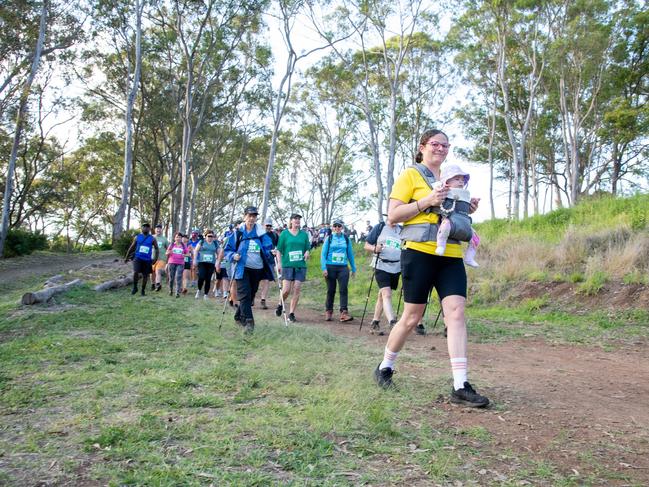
253 247
207 258
295 256
177 251
338 257
144 249
392 243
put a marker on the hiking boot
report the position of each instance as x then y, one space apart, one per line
158 287
420 330
383 377
177 294
134 290
142 292
171 292
291 318
392 323
263 304
278 310
329 315
467 396
375 328
344 316
153 286
249 326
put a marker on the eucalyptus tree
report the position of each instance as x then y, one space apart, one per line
287 13
23 50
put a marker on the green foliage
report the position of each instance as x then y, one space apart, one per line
22 242
635 277
122 244
593 284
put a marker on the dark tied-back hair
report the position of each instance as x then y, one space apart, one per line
425 137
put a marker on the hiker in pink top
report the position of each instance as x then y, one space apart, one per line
176 253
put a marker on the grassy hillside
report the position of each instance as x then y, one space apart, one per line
601 239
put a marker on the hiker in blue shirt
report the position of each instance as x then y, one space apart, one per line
337 254
250 249
143 246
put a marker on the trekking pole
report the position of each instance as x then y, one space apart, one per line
281 292
399 302
225 301
369 291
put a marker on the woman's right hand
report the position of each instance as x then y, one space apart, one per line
325 274
236 257
435 198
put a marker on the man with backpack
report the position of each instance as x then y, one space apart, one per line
249 248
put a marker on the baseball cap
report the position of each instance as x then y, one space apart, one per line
148 225
159 225
268 222
251 210
338 221
231 226
295 215
451 170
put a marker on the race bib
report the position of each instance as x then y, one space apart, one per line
338 257
177 251
187 258
392 243
253 247
208 258
295 256
144 249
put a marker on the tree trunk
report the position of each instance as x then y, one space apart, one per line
118 227
20 118
45 294
114 283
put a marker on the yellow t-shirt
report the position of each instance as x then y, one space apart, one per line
409 186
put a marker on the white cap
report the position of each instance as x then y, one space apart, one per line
450 171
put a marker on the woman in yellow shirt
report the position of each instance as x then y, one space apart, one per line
412 202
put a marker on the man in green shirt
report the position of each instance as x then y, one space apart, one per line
292 252
161 264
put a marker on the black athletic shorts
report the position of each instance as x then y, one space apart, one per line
421 272
142 266
387 279
223 273
188 266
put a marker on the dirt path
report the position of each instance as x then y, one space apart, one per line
583 409
49 264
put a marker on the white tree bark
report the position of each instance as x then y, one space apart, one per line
118 225
20 118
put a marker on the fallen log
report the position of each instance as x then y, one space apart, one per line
45 294
54 280
122 281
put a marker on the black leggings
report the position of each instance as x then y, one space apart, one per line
339 274
205 271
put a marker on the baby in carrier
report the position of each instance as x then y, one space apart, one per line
454 213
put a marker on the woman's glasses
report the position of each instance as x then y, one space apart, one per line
439 145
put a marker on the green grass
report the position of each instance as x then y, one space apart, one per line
591 213
120 390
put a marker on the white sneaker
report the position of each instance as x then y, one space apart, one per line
226 295
217 294
198 295
206 297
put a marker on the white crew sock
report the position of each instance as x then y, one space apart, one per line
459 367
388 359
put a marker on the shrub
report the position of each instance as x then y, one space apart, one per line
593 284
121 244
22 242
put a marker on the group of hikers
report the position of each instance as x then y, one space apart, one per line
420 241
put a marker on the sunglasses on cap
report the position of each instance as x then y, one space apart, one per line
211 236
